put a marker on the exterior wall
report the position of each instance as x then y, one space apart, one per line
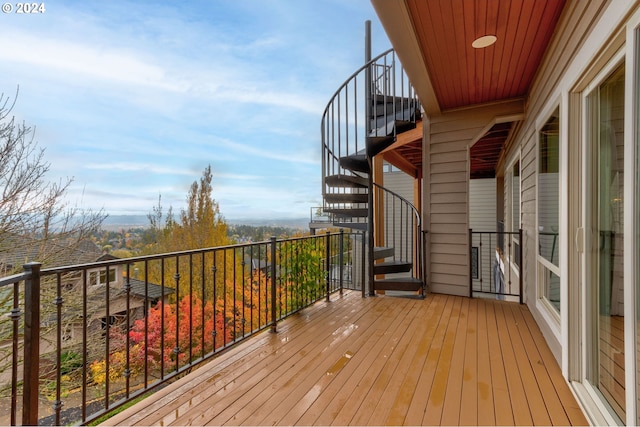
403 185
546 93
448 138
482 204
482 218
400 183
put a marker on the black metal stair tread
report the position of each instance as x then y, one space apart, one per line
346 197
355 163
375 144
398 284
353 225
389 99
351 181
349 212
391 267
404 125
381 252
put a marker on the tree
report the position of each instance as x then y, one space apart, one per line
170 336
34 211
37 224
200 225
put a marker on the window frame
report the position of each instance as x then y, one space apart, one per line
543 265
513 239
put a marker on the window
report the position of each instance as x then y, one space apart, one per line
548 209
515 197
513 218
100 277
605 256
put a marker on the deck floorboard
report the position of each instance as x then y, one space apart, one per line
386 360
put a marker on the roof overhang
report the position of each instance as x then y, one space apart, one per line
433 40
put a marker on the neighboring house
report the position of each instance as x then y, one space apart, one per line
17 250
541 96
56 253
100 314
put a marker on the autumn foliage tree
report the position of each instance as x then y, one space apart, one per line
169 337
221 294
200 225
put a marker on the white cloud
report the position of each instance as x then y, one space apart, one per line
294 157
138 167
135 99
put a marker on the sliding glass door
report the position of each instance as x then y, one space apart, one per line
605 207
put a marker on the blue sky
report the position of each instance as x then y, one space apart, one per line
134 99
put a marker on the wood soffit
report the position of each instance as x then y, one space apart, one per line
463 76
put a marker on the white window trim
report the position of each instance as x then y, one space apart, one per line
579 73
551 315
602 409
517 158
98 273
631 270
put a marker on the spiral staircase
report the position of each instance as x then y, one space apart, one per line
362 119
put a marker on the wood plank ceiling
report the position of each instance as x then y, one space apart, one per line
463 76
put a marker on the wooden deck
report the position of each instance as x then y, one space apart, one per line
386 360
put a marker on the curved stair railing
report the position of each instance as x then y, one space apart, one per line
358 111
363 117
400 228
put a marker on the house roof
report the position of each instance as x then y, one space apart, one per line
17 250
433 40
154 291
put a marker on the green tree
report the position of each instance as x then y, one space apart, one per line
200 225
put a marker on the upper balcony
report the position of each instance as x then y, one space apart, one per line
271 332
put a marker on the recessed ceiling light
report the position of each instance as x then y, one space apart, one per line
484 41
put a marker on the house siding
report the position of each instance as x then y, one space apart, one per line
403 185
482 204
446 191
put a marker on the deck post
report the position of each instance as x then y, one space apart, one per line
341 259
521 265
31 372
327 250
368 81
363 268
273 285
470 263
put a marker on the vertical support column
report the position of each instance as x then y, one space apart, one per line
367 76
363 268
31 345
521 276
471 263
368 117
341 259
273 285
327 251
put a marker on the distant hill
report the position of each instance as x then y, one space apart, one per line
116 222
285 222
125 221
